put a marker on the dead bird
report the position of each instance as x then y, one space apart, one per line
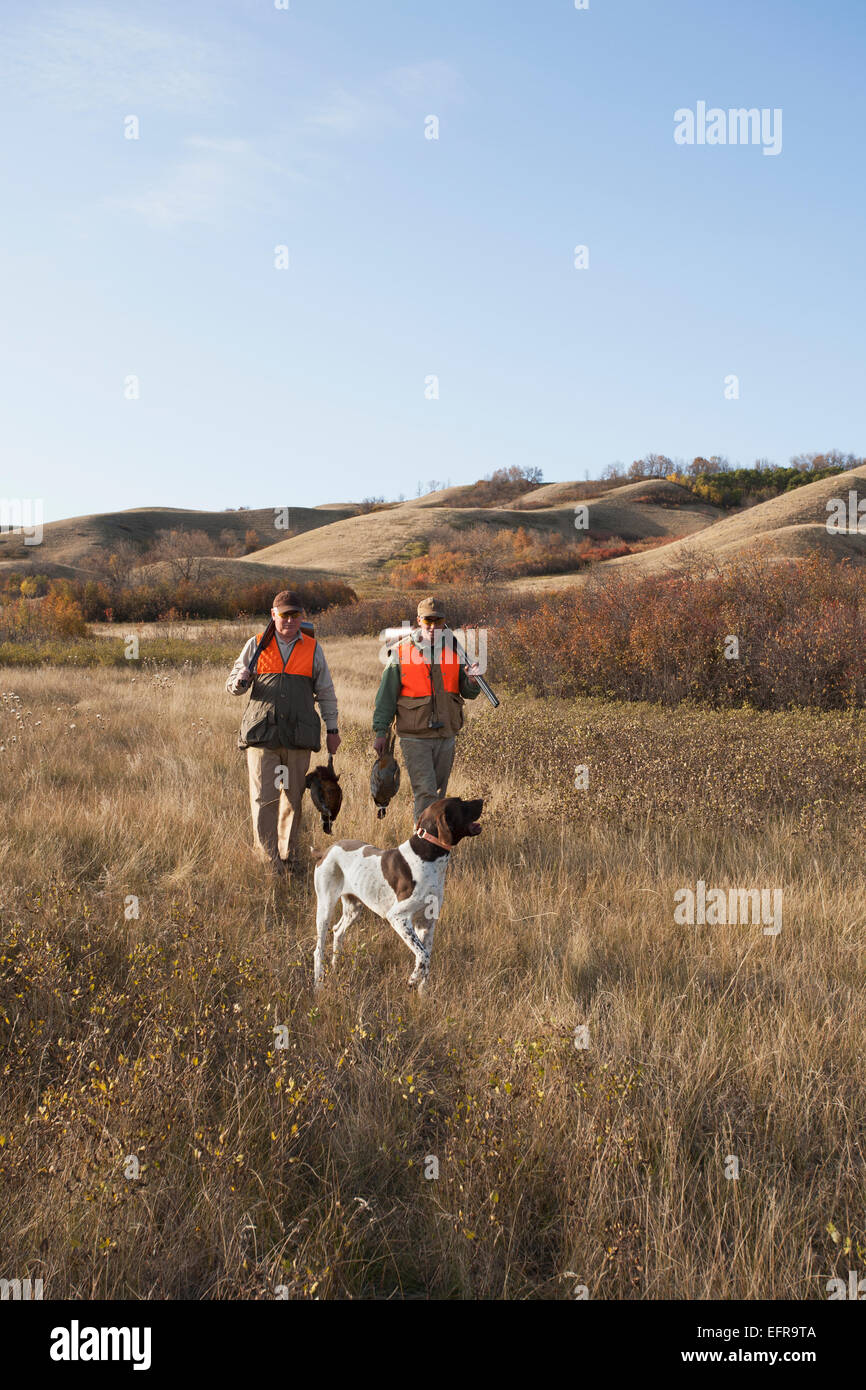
323 785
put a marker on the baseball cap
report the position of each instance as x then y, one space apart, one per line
430 608
288 602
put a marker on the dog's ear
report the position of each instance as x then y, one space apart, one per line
308 780
430 819
443 826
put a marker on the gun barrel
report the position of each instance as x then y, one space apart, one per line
485 690
483 686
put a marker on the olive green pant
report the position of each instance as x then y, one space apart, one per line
428 762
276 790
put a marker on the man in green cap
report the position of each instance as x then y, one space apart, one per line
424 686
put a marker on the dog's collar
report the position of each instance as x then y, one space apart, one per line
425 835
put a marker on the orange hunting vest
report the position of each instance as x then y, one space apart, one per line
415 673
300 662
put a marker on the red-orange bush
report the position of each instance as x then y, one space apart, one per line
800 628
211 597
487 554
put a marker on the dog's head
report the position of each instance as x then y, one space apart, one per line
323 785
451 819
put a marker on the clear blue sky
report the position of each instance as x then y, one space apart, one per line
408 257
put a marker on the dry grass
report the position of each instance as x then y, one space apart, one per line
304 1167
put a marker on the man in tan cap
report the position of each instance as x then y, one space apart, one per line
281 726
424 685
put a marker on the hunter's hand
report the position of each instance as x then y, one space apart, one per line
473 671
380 744
332 743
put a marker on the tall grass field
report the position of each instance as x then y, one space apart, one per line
594 1098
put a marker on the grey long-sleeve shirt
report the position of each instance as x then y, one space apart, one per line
323 685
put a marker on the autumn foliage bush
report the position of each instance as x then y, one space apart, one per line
770 635
56 615
732 486
488 554
101 600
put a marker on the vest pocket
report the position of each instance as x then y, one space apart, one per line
413 716
455 708
307 733
258 727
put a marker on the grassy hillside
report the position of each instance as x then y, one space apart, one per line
361 546
791 526
67 545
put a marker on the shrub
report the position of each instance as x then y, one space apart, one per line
56 615
801 630
733 486
215 597
487 554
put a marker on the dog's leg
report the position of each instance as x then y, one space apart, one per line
425 933
328 879
425 936
351 913
402 925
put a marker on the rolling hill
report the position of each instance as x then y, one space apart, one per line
788 527
357 548
347 542
68 545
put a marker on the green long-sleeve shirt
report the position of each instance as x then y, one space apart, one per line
389 688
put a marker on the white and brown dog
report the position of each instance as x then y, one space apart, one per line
400 884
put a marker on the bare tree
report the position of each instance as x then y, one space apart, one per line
485 547
230 543
183 552
116 562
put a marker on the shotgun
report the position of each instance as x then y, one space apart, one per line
393 635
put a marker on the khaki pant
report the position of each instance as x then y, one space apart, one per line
276 790
428 762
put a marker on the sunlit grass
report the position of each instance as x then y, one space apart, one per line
151 1037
